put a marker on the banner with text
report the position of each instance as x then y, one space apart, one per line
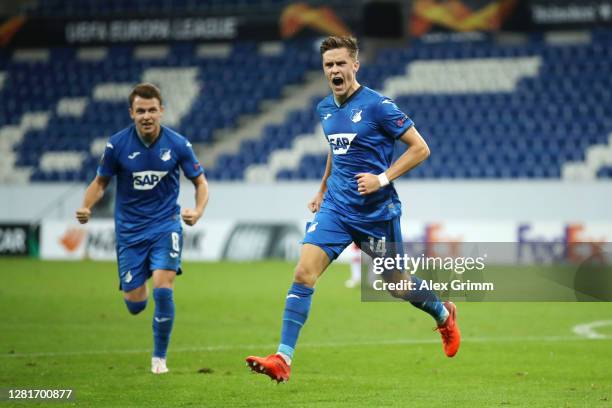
535 242
292 20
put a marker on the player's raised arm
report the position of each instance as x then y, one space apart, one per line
189 215
93 194
315 204
417 152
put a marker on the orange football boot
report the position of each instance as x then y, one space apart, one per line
449 331
274 366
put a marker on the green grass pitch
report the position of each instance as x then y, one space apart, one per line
64 325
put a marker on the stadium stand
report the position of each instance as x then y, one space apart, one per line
77 98
537 108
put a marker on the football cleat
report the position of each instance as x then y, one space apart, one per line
158 365
449 331
274 366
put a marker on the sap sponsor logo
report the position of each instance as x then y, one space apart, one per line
147 180
570 244
341 142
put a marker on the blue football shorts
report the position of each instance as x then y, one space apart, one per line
333 232
137 262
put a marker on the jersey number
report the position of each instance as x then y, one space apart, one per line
176 246
378 246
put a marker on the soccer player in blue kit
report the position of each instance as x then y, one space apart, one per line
356 201
145 158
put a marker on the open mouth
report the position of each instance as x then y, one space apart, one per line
337 81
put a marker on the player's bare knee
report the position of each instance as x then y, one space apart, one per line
164 279
137 295
164 284
304 275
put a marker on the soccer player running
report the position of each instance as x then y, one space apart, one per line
146 158
356 201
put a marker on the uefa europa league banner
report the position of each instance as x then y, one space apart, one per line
283 22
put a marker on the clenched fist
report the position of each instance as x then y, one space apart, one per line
190 216
315 204
367 183
83 215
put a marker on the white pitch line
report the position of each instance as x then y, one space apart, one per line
305 345
587 330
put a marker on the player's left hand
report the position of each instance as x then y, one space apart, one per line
190 216
367 183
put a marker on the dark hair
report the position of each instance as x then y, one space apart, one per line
146 91
333 42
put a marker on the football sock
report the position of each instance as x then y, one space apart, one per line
135 307
427 301
162 320
297 307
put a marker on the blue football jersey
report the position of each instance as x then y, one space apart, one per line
361 133
147 181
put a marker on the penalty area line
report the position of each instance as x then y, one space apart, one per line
340 344
587 330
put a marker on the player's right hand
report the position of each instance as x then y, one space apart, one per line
315 204
83 215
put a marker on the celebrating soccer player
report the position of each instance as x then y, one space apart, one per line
146 158
356 201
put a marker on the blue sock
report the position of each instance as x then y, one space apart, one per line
297 307
427 301
135 307
162 320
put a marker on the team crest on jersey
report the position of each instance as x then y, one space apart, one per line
164 154
341 142
147 180
356 115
